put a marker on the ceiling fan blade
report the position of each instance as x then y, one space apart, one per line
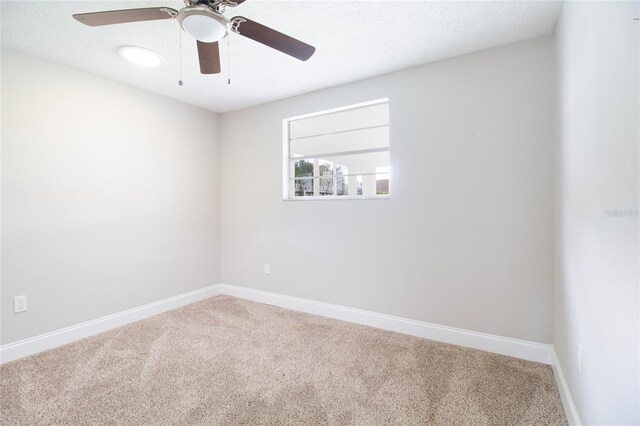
209 56
126 15
272 38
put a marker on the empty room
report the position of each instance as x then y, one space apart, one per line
279 212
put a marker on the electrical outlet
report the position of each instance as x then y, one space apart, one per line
580 350
19 304
267 269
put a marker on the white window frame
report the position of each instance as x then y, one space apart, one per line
286 164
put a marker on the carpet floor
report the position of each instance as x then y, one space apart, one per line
229 361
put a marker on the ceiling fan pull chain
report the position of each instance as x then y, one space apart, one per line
229 59
180 56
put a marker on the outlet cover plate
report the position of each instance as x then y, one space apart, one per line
19 304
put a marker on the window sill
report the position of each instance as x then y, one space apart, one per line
326 198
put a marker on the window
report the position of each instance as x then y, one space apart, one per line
338 154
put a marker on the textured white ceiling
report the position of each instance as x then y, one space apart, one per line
354 40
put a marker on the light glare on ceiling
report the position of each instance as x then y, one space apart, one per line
140 56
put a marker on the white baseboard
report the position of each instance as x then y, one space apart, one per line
523 349
570 410
26 347
531 351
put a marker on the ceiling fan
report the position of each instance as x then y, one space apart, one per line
205 21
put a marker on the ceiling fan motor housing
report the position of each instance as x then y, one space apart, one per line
203 24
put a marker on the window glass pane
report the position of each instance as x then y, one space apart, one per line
373 115
302 168
361 163
355 175
325 167
352 141
326 186
368 185
382 180
303 187
342 185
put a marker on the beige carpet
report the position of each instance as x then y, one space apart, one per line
229 361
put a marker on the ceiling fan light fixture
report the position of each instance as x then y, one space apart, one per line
203 24
140 56
204 20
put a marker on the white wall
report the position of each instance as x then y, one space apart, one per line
596 295
466 239
109 196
